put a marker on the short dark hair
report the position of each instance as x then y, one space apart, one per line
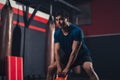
62 13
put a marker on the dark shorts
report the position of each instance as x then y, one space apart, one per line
79 60
83 56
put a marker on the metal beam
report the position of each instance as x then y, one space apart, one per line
69 5
33 14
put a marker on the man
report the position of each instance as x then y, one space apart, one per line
70 50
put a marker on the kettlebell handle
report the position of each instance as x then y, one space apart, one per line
66 77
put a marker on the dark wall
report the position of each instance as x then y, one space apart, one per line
34 60
105 53
104 37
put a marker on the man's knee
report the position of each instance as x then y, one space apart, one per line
87 66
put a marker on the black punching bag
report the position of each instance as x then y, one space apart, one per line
6 30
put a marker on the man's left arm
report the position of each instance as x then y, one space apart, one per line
75 48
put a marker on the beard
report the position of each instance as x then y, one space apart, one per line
66 28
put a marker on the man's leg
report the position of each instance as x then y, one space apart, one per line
88 67
51 71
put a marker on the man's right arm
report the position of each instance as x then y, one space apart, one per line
57 57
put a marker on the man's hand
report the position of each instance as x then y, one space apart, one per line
65 71
59 70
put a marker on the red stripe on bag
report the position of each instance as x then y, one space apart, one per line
14 68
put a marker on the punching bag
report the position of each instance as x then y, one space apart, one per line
6 30
49 49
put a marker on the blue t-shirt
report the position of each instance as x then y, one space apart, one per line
75 34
